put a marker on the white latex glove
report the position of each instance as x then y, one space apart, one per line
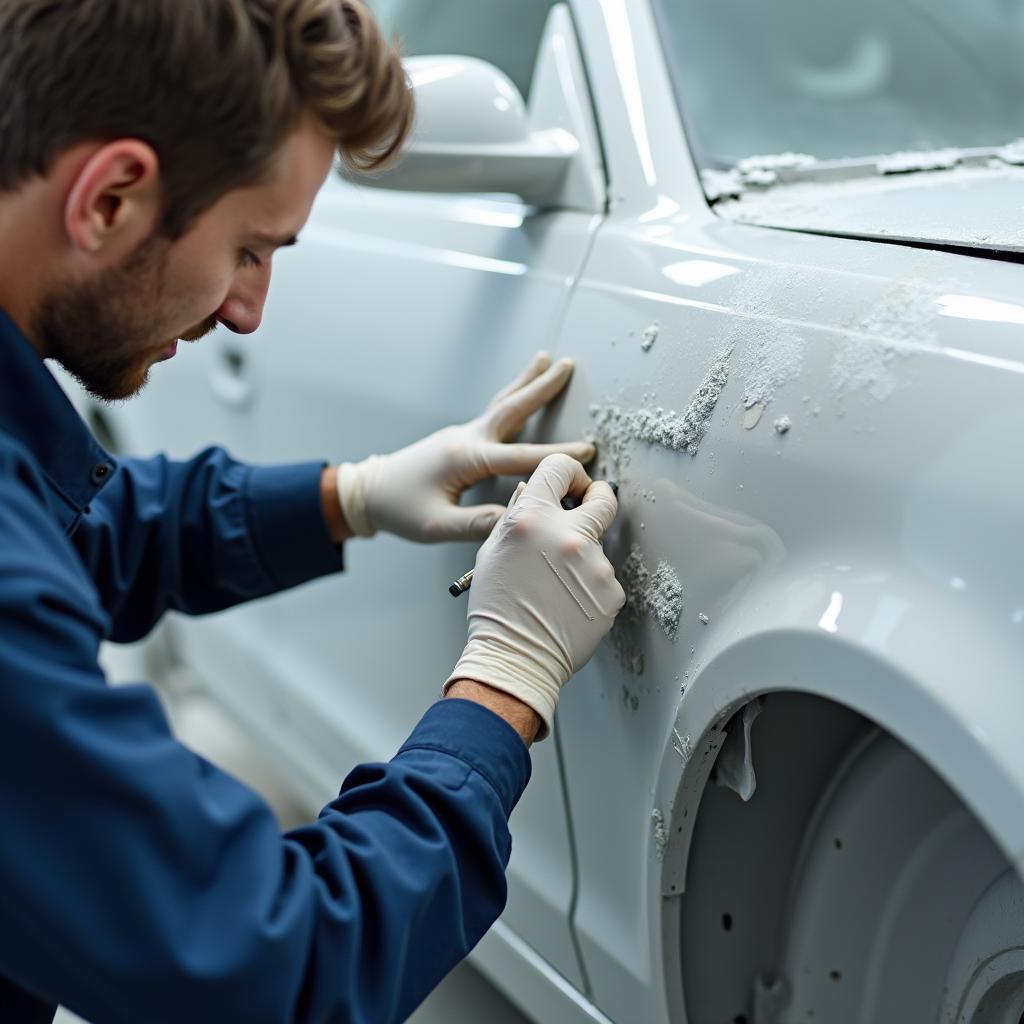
543 594
415 492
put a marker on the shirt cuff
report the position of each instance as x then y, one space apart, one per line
285 515
480 738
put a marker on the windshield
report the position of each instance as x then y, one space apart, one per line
845 78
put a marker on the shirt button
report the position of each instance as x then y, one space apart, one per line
101 472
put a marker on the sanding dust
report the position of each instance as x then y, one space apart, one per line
721 184
773 357
769 353
1013 153
635 579
902 322
659 594
923 160
616 429
753 171
862 364
776 162
650 336
614 440
660 832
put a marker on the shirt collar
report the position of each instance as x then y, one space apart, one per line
35 411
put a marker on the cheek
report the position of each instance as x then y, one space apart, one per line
202 289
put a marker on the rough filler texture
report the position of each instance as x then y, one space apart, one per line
659 594
665 599
615 428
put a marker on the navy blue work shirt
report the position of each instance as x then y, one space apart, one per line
137 881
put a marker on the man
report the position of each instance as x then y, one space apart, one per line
153 155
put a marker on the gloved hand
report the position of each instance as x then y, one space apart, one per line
543 594
415 492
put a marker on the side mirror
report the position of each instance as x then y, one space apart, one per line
474 133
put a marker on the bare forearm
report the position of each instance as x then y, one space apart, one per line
520 716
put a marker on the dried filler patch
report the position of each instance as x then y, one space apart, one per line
617 429
659 594
665 599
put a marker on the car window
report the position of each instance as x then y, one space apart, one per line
836 78
506 33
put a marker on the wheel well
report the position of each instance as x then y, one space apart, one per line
742 853
841 889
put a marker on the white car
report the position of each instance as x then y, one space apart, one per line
783 243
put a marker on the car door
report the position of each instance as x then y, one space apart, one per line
397 314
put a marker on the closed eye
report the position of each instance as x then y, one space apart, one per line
247 258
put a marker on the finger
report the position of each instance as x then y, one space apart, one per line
514 459
468 522
517 494
555 478
598 509
509 416
493 536
541 361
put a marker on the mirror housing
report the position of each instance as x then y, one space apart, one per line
474 133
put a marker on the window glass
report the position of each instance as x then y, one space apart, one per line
845 78
506 33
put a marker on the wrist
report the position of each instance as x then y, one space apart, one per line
525 672
334 515
520 716
353 483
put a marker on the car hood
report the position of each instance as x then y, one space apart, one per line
972 207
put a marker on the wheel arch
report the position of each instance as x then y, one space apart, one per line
967 748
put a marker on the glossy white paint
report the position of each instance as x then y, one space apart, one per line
868 556
473 132
472 135
827 559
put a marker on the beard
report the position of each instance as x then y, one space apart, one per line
101 331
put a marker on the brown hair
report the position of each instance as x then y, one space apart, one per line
214 86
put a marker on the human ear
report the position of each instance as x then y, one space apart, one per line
113 204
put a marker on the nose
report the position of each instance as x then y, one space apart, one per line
242 310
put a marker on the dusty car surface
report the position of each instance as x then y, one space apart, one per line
784 249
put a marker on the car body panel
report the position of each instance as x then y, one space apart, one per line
885 517
898 488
